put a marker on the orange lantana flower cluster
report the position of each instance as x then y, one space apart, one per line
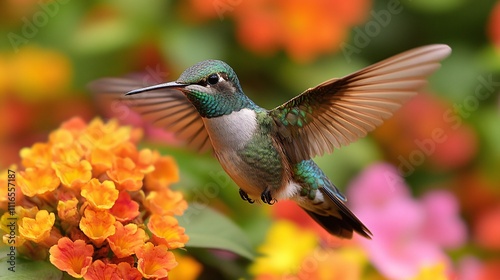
96 206
303 31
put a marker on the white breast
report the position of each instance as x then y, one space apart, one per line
231 131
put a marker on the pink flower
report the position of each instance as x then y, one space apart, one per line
408 234
442 224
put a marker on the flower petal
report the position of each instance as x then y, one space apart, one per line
166 202
67 211
37 229
100 195
126 239
35 181
127 272
74 174
165 173
97 225
125 209
167 231
72 257
104 135
278 256
155 261
125 174
99 270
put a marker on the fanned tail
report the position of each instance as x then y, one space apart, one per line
324 202
342 226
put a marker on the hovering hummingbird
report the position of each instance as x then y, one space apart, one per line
268 152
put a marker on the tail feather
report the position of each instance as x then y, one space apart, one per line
325 203
333 215
339 227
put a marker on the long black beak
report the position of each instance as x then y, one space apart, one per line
159 86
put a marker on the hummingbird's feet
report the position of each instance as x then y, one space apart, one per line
267 198
245 197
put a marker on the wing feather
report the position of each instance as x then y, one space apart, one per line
339 111
166 108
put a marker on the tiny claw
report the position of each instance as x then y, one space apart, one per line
267 198
245 197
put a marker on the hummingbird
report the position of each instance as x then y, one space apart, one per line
268 153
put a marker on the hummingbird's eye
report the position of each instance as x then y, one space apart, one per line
213 79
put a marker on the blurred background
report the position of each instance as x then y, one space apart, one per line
427 182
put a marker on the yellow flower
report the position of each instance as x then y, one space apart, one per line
74 174
344 263
167 231
433 272
145 159
37 229
100 195
62 137
22 212
165 173
188 268
127 239
101 160
284 249
155 261
39 74
125 174
94 176
68 211
142 159
38 156
166 202
33 181
64 146
97 225
104 136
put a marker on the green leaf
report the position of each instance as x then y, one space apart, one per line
208 228
26 269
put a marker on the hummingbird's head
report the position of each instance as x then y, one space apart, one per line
211 86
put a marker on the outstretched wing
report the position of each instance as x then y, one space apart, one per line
167 108
339 111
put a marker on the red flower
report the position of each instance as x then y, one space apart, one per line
438 136
494 25
125 209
